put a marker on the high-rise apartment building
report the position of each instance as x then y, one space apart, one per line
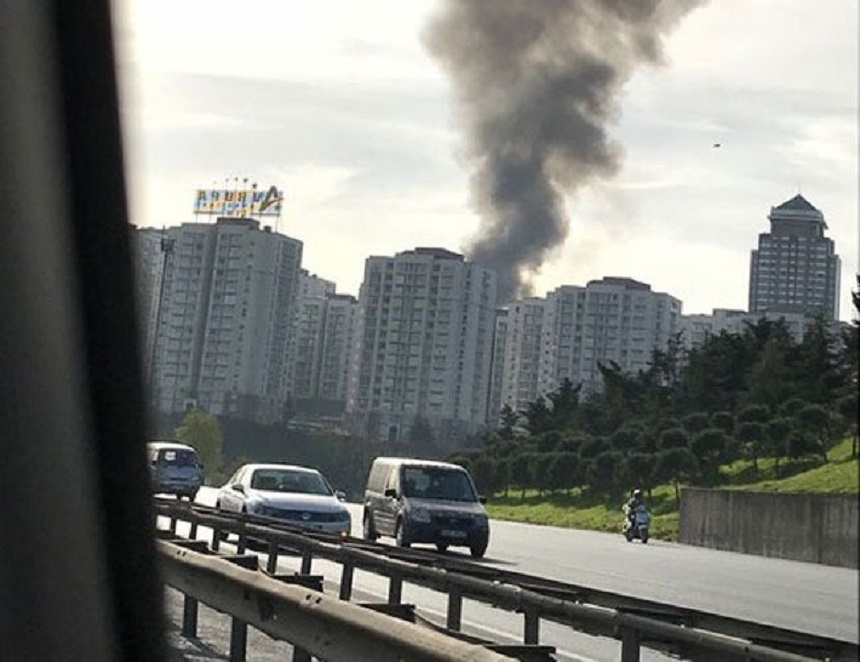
226 310
425 345
337 346
574 329
306 341
525 365
497 372
696 329
311 285
323 344
613 319
149 247
795 268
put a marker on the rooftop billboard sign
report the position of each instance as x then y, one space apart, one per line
239 203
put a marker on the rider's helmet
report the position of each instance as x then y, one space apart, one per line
637 493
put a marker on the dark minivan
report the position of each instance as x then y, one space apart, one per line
176 469
422 501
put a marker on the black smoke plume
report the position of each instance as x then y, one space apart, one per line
538 82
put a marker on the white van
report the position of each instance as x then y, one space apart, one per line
176 469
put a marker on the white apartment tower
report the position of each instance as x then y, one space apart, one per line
613 319
323 344
574 329
338 341
425 345
227 307
795 268
306 341
697 329
497 372
526 363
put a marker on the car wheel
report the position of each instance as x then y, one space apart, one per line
442 546
368 530
400 535
478 549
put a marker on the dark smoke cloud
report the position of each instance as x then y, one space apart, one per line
538 81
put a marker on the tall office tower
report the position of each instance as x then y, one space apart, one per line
425 346
572 331
227 308
795 268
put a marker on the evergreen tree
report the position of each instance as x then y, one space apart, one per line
695 422
674 438
563 403
753 437
708 446
677 465
518 470
509 419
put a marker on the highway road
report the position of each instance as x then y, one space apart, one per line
807 597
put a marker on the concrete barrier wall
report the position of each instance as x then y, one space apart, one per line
818 528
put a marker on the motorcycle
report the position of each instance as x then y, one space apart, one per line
636 524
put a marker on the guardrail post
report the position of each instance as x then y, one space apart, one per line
395 590
272 563
629 645
307 559
531 627
216 539
238 640
192 531
189 618
455 608
346 581
172 526
242 544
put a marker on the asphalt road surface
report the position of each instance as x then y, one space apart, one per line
807 597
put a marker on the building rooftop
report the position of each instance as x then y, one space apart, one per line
438 253
797 209
797 203
627 283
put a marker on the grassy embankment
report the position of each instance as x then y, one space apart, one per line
584 511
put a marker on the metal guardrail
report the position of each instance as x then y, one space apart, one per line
634 622
318 625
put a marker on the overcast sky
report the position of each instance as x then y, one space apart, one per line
339 103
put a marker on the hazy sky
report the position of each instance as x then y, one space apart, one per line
339 103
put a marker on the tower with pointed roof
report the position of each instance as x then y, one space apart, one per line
795 268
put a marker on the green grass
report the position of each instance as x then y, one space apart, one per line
840 474
582 510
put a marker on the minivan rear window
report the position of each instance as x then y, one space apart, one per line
437 483
177 458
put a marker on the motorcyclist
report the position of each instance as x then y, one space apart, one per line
636 499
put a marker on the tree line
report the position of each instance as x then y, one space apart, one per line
748 395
